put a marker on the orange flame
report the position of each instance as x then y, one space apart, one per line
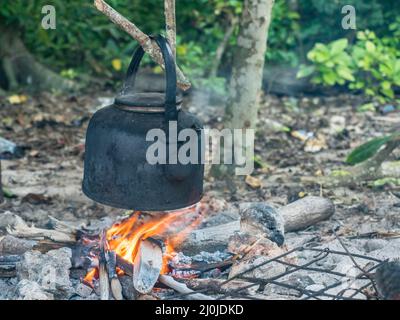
173 227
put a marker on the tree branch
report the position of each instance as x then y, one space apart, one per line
170 24
144 40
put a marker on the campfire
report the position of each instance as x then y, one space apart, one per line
141 245
173 255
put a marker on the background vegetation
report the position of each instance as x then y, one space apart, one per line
85 42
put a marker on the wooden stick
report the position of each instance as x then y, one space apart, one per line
104 284
144 40
115 284
170 24
182 288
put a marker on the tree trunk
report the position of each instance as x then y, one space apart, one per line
246 80
21 68
1 188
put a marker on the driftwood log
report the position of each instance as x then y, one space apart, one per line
298 215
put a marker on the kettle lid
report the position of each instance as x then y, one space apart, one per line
146 99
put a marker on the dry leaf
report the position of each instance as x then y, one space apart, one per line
301 135
17 99
315 144
253 182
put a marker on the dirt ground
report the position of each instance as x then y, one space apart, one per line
47 181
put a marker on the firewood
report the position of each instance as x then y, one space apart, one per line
104 284
116 288
22 230
124 265
182 288
12 245
298 215
148 264
306 212
128 290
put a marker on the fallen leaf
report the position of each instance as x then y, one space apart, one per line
302 135
253 182
17 99
316 144
34 153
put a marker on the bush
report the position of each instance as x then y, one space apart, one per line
370 65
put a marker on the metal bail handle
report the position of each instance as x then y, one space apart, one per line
171 112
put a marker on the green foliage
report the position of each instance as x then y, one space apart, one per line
367 150
371 64
331 64
87 42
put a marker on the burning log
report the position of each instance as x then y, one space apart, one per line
147 266
297 216
116 288
182 288
128 290
104 284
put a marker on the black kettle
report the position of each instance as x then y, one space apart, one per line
117 170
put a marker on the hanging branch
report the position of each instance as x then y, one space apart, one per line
170 24
144 40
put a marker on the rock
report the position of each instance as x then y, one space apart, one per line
337 123
374 244
50 271
12 245
260 218
7 219
31 290
390 251
7 289
315 287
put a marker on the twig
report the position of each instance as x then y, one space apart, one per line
144 40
